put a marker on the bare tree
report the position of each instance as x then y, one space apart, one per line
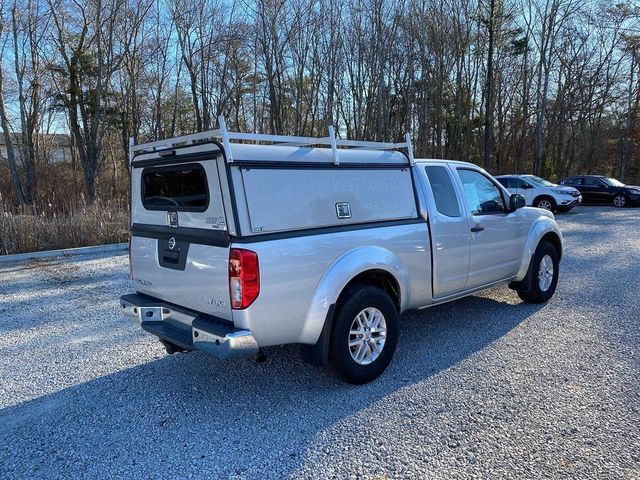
4 122
490 83
84 37
28 26
632 103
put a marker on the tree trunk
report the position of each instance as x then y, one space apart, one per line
633 102
26 148
11 155
488 117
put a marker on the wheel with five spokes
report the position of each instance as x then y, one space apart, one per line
364 335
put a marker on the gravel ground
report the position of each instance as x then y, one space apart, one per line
486 387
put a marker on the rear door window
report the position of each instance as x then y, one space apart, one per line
572 181
592 182
443 192
175 187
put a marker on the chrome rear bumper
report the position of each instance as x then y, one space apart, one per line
187 329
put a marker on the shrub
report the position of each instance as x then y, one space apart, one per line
79 226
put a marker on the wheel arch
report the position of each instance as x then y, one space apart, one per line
374 266
382 279
543 228
554 239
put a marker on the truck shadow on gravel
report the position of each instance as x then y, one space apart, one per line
191 414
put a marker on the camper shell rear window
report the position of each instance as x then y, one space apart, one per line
176 188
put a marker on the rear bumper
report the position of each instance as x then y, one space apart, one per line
188 329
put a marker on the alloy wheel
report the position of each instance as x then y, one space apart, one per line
544 204
619 201
367 336
545 273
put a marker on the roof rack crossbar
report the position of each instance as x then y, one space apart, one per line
280 140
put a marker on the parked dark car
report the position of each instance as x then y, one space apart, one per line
604 190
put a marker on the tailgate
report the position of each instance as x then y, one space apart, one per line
180 242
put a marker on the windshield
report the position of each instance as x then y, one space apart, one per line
612 182
539 181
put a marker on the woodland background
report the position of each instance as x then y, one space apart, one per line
550 87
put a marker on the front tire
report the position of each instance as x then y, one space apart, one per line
545 203
543 274
364 334
619 201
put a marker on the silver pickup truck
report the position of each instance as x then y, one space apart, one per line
318 242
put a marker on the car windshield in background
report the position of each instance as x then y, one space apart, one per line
541 182
612 182
177 187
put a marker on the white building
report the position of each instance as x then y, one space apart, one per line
53 148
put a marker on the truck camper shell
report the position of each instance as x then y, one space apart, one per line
276 184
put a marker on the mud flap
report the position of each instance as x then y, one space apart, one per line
523 285
318 353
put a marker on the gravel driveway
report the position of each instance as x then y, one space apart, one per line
485 387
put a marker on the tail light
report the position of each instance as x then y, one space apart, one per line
244 278
130 267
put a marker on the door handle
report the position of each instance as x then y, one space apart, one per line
477 228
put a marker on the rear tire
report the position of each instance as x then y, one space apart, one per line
364 334
543 274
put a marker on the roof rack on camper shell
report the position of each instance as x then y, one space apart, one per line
277 140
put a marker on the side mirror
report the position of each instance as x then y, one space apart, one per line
516 201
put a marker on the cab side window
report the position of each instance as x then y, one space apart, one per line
483 195
443 191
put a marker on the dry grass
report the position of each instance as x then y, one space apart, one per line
80 226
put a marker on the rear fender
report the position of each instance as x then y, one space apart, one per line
339 274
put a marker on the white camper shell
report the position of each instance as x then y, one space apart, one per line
257 189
